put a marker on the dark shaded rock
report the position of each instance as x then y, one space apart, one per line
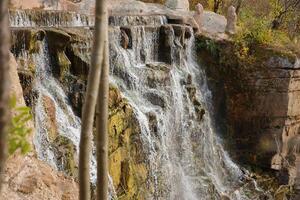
188 33
26 80
166 43
193 98
26 39
153 124
76 95
126 38
183 20
58 41
155 99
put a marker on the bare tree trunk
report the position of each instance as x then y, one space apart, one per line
217 5
238 6
4 91
102 129
91 99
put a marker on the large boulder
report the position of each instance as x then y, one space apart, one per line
178 5
27 178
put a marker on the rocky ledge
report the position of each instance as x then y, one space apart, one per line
256 101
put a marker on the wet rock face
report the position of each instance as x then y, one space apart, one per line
166 38
259 101
127 160
126 38
70 50
50 110
66 155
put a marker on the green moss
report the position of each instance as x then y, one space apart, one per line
65 150
64 65
210 45
127 164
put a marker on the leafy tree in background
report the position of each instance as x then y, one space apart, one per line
217 4
18 130
286 12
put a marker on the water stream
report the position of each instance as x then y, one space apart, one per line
186 157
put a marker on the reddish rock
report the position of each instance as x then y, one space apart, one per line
50 110
16 90
27 178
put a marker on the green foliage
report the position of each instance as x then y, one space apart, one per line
210 45
255 31
18 132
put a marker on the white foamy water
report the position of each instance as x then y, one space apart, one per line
186 158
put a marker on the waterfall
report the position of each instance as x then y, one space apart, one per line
168 92
68 124
40 18
186 156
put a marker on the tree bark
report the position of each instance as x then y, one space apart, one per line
217 5
238 6
4 91
102 129
101 21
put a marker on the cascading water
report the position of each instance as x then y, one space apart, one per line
68 124
29 18
186 158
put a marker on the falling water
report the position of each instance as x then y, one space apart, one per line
186 157
39 18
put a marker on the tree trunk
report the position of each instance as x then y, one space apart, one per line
102 130
238 6
4 91
216 5
91 99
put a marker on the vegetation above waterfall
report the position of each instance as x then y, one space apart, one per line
261 22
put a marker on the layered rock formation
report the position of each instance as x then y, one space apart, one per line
71 49
257 101
46 4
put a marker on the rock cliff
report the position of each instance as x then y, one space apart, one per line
257 103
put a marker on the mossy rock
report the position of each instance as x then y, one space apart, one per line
127 161
66 155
